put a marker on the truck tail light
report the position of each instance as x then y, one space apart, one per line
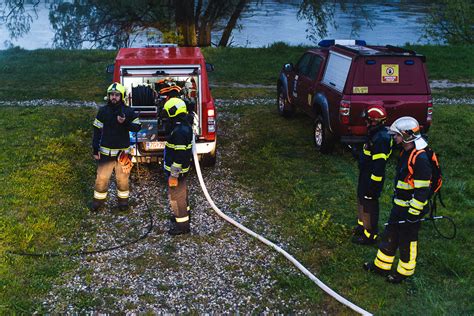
429 112
344 111
211 121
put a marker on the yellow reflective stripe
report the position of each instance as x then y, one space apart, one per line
182 219
361 223
376 178
177 165
422 183
183 170
136 121
369 235
382 265
401 202
384 257
98 123
112 152
367 152
404 185
403 271
417 204
123 194
179 147
413 211
100 195
380 156
413 251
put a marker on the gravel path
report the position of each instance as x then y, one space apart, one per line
217 269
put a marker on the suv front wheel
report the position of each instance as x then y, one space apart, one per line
323 138
284 107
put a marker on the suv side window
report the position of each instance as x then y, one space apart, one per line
314 67
302 67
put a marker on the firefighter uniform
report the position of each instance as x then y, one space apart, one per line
109 140
177 160
372 162
409 203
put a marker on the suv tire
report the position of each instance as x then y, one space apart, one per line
284 107
323 138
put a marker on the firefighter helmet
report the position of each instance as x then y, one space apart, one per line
174 107
409 129
116 87
376 113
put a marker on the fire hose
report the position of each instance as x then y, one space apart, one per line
305 271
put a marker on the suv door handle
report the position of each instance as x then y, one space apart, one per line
332 83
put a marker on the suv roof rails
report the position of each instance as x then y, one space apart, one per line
157 45
387 50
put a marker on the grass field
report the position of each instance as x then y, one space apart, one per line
45 168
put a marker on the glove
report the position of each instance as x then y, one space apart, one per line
172 182
125 162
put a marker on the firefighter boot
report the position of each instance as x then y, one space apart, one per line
123 204
395 278
371 267
179 229
97 205
363 240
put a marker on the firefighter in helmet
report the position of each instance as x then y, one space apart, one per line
372 161
177 160
412 189
111 146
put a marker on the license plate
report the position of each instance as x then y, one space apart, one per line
154 145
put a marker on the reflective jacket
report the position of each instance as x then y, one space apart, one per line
372 161
110 136
178 148
414 196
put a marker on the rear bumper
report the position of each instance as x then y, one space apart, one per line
202 148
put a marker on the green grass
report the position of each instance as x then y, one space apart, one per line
80 74
311 198
47 177
54 74
46 171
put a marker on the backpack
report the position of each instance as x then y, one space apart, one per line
436 181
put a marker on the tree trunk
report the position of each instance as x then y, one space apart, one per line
184 17
232 22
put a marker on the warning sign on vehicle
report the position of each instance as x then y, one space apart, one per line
390 73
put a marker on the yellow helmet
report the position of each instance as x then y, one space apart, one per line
116 87
175 106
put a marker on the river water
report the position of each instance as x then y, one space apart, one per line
268 21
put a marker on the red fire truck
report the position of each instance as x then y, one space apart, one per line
149 74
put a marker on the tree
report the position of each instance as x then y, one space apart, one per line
451 22
107 23
321 13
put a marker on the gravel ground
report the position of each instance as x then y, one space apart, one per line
216 269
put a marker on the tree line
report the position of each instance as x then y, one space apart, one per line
107 23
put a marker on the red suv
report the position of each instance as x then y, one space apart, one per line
336 82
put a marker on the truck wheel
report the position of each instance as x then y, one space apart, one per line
323 138
284 107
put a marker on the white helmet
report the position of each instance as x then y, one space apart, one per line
409 129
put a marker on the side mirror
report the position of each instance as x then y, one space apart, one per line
110 69
209 67
288 67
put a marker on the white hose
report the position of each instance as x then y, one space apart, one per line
323 286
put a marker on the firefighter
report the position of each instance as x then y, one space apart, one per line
410 203
111 143
372 161
177 160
